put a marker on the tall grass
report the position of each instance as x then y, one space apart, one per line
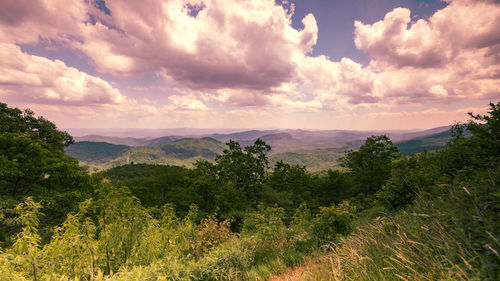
421 243
399 249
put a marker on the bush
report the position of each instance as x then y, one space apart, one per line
333 221
210 234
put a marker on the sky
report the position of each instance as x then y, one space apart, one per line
309 64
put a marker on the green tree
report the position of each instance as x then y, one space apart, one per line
370 166
121 220
33 163
475 144
409 174
25 251
73 249
289 186
15 121
245 169
333 188
204 184
485 139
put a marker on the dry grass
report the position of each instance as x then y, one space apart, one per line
406 247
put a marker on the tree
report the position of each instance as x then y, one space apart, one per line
73 249
370 166
290 185
26 247
333 188
32 162
244 168
15 121
121 220
485 139
32 154
203 183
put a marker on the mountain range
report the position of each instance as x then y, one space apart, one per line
317 150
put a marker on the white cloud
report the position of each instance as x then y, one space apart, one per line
249 54
29 78
185 103
463 26
455 55
27 21
229 44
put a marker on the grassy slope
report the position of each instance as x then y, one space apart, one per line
433 239
418 244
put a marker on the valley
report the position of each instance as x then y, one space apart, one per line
317 150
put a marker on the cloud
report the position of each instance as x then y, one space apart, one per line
228 44
216 44
249 55
69 94
29 78
243 97
452 56
462 26
334 82
27 21
185 103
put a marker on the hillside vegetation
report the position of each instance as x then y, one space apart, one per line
314 160
96 152
384 216
179 151
426 143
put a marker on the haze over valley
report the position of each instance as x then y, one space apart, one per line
317 150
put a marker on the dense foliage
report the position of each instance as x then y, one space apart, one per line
446 226
33 163
370 166
385 216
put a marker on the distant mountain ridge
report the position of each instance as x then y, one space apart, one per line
308 136
314 149
112 140
129 141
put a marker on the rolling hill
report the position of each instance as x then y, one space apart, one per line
182 152
317 150
96 152
314 160
426 143
111 140
187 148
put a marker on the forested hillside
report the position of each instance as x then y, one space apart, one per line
96 152
317 154
181 152
427 143
384 216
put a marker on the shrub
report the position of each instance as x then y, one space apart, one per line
332 222
210 234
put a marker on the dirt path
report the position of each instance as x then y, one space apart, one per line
299 272
295 274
